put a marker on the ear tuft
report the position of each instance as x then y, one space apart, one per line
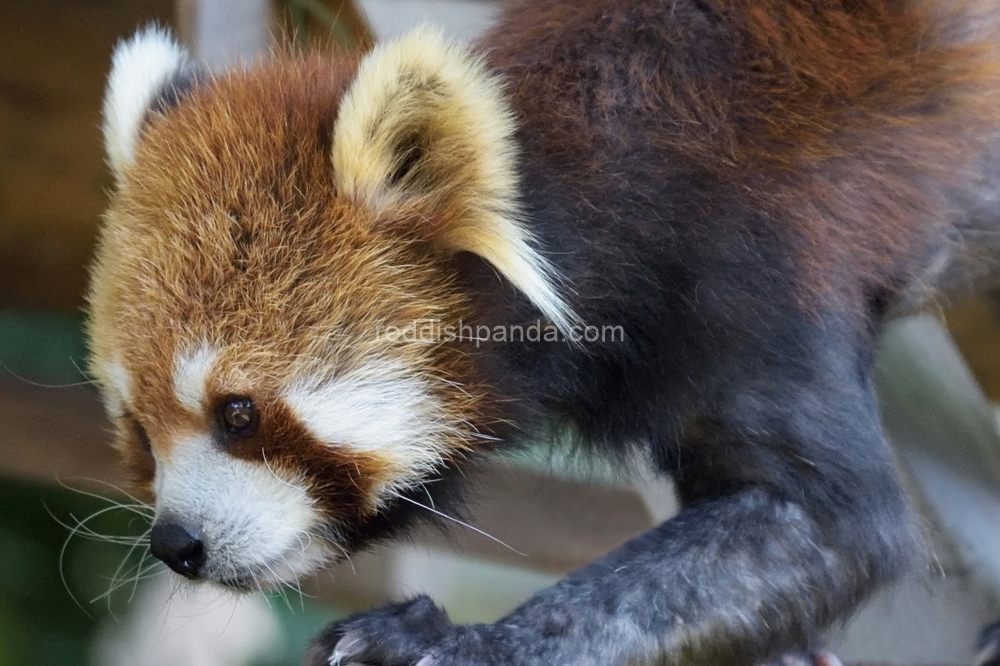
141 67
426 125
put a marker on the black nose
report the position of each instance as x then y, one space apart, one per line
178 546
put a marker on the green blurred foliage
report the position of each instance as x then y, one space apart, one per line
43 570
42 347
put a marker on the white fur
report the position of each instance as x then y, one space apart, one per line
118 392
376 409
191 372
140 67
252 519
200 626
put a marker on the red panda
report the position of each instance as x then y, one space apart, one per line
742 189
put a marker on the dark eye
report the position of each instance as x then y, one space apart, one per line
238 416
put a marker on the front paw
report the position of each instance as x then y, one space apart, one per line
398 635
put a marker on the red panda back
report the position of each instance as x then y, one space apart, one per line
850 124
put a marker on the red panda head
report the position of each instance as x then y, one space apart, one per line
268 226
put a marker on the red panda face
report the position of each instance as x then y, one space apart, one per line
265 233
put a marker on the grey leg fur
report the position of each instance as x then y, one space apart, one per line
725 577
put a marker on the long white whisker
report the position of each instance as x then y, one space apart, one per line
150 571
232 614
347 556
295 586
305 543
86 382
138 502
142 572
62 572
271 470
80 528
126 577
137 506
280 590
463 524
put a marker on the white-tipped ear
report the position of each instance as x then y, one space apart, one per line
425 124
140 68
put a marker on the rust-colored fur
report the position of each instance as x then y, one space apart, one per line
831 116
220 237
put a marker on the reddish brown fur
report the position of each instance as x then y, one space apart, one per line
232 244
831 115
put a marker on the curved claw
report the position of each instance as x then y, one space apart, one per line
396 635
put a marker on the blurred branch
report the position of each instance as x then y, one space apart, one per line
946 431
932 403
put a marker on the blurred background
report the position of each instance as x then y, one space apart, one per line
76 585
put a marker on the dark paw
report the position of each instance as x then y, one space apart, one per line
397 635
988 646
806 659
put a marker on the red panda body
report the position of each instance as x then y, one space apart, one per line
703 208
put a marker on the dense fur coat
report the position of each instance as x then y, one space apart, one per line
707 207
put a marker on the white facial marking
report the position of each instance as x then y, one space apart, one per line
119 393
253 518
140 67
191 370
377 409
